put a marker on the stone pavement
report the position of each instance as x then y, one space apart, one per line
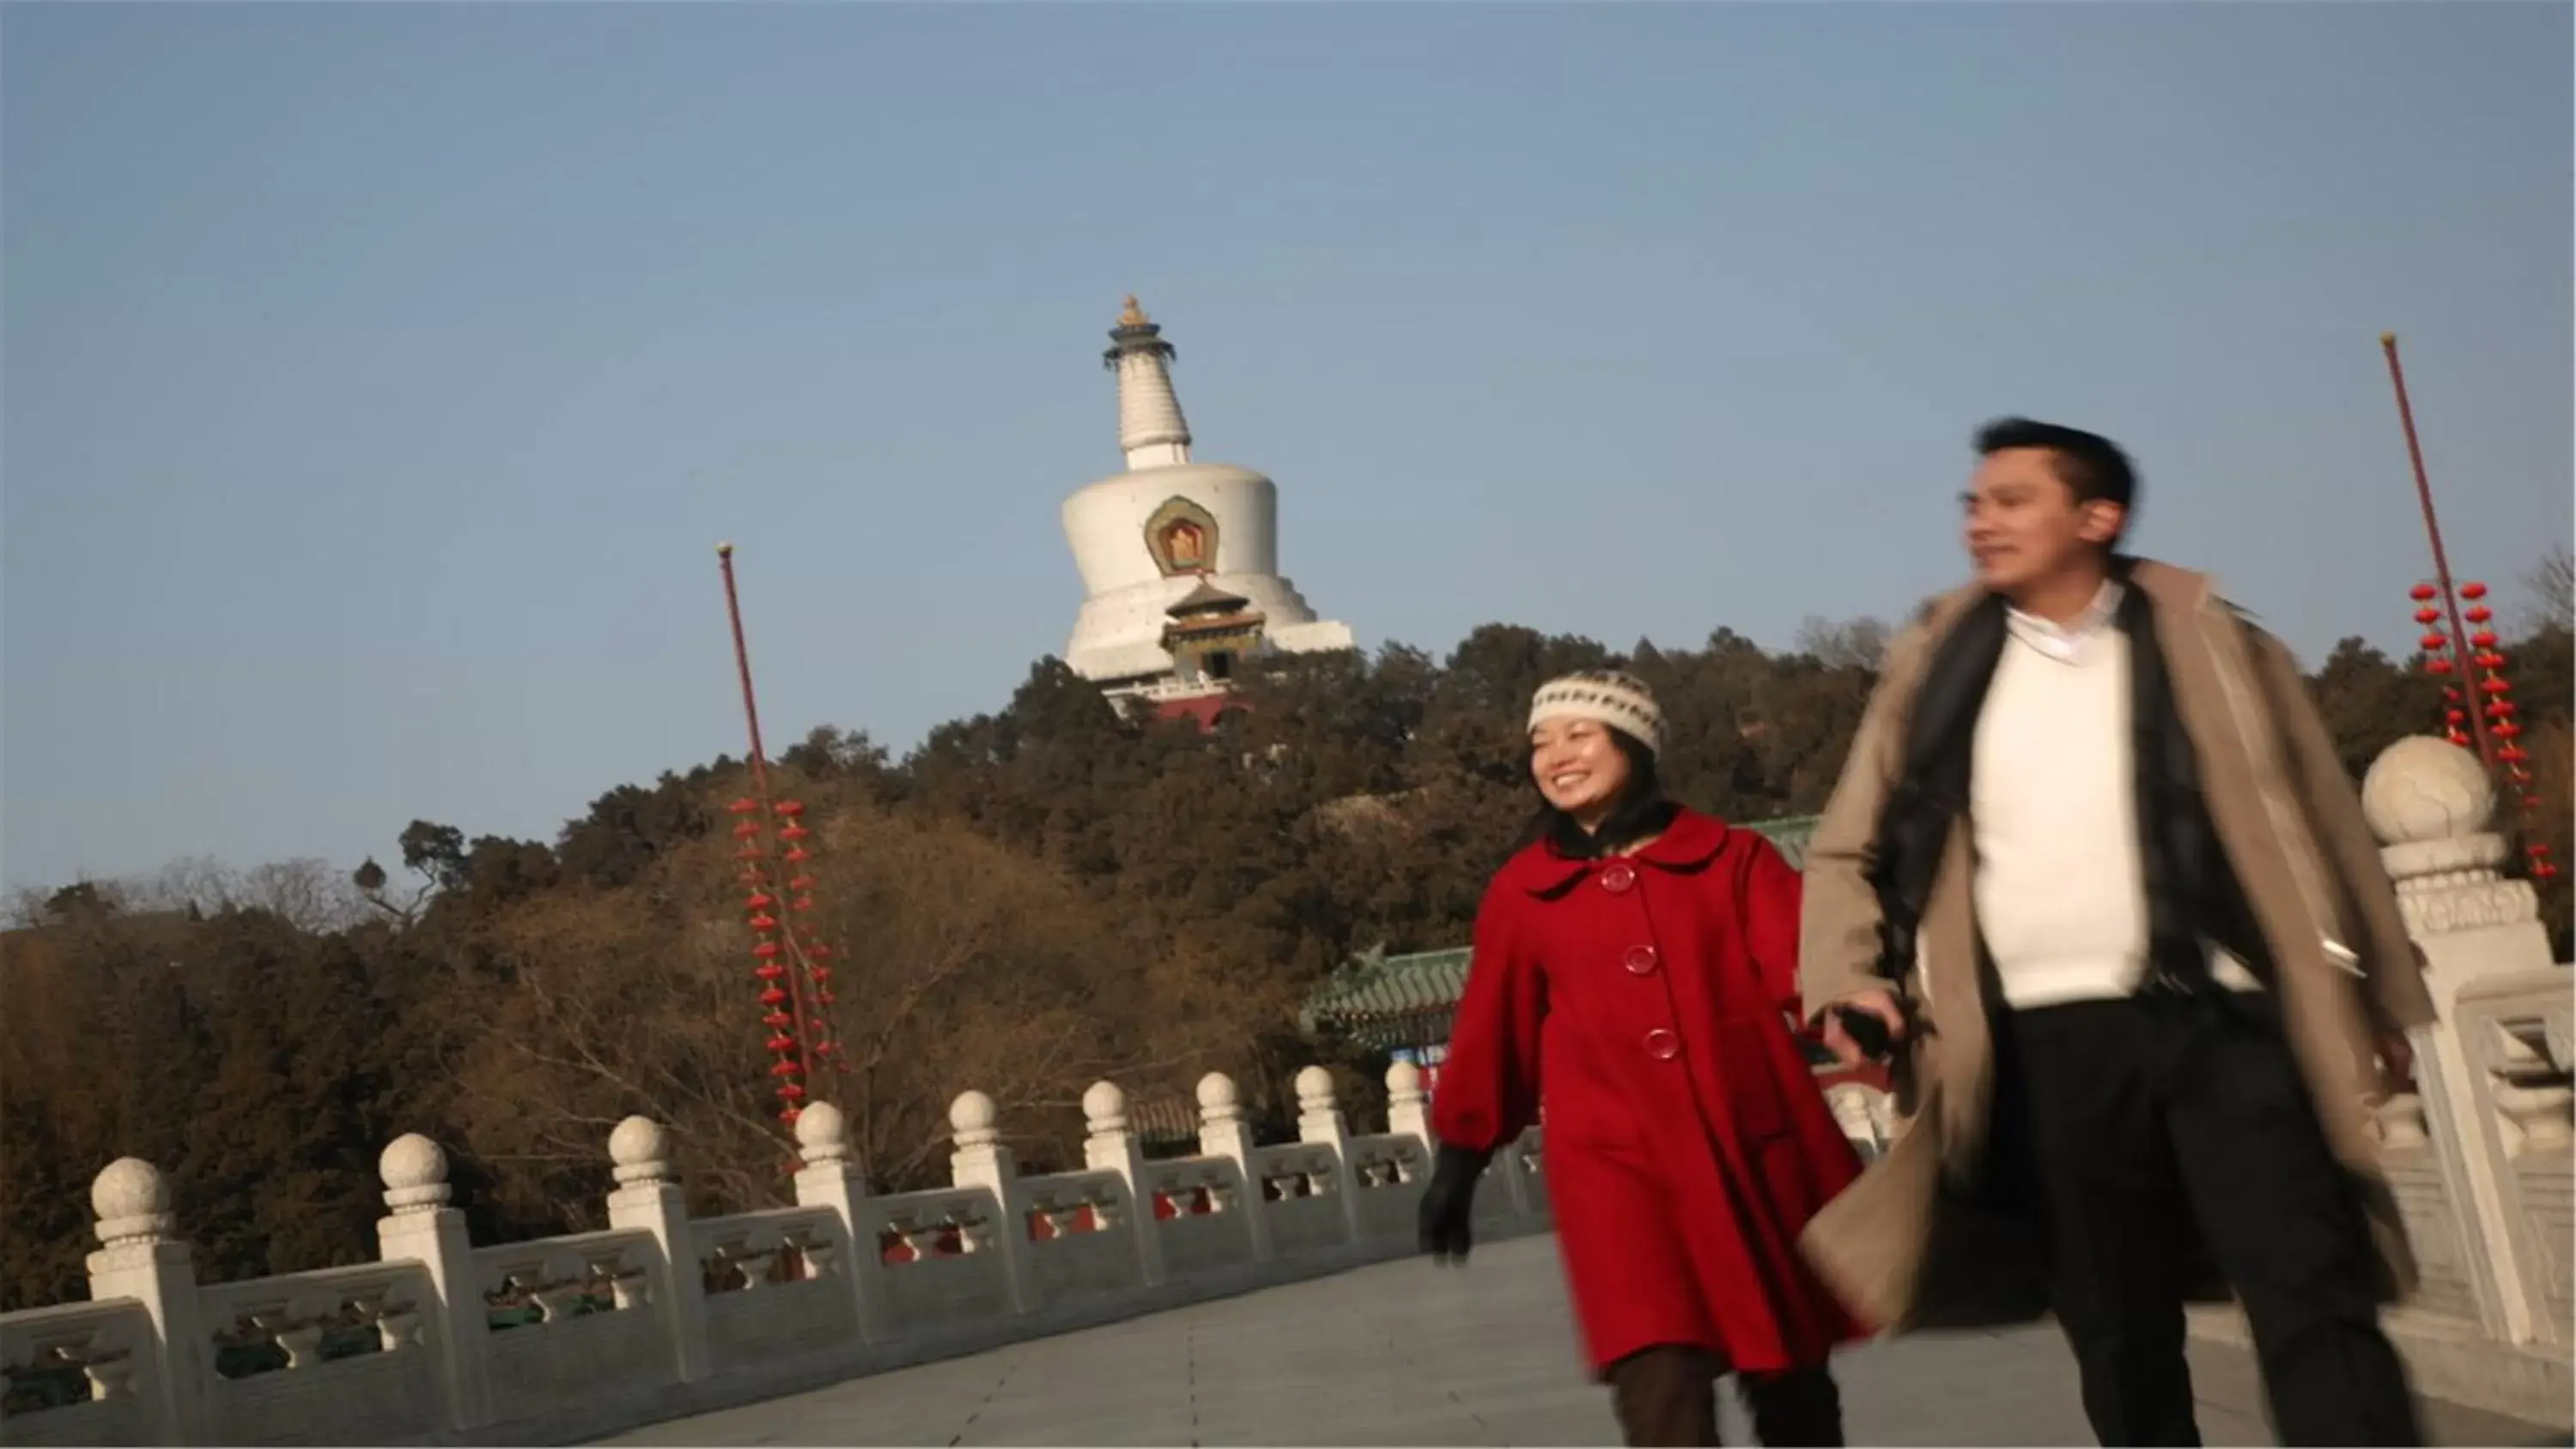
1405 1353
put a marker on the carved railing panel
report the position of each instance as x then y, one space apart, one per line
1081 1228
777 1284
940 1256
1388 1174
80 1373
1300 1194
569 1311
2516 1031
343 1355
1200 1211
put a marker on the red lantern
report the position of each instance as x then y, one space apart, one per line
2428 616
2479 615
2421 592
2455 716
2494 684
2435 643
2484 639
789 807
2473 591
2539 850
2437 665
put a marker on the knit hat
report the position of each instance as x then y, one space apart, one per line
1605 696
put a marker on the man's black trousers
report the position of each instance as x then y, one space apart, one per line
2126 1124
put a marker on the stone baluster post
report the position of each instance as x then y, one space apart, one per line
1408 1107
142 1257
2430 803
1112 1146
830 1179
982 1161
648 1196
421 1227
1320 1124
1224 1133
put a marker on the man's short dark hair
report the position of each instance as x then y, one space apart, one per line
2090 465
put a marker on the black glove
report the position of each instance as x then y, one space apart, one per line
1449 1202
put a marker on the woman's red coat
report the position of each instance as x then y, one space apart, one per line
1687 1142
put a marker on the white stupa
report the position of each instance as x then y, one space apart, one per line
1179 560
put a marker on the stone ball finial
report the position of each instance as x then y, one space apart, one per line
822 1134
412 1160
2422 789
129 1187
414 1170
1404 1080
1315 1090
1217 1093
641 1148
132 1202
1104 1107
972 1113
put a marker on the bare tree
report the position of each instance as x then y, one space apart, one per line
956 963
2551 585
1846 644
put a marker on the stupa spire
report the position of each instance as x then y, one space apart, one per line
1151 430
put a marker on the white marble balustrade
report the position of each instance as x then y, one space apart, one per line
441 1338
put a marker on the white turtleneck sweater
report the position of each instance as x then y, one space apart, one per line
2060 886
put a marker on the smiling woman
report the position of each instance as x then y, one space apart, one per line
1646 955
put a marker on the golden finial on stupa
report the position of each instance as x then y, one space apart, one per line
1134 316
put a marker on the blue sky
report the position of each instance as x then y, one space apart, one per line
379 377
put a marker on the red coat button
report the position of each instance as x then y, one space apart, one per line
1618 878
1663 1045
1640 960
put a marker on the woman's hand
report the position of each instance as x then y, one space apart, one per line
1449 1203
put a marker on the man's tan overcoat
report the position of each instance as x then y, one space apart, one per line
1900 1245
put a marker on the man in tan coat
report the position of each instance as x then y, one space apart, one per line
2094 867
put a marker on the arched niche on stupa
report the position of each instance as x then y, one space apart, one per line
1182 537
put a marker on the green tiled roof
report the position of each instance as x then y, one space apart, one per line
1391 1001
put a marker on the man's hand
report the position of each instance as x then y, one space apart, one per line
2396 1063
1879 1003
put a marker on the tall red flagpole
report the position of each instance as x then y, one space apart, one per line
800 1035
2433 530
